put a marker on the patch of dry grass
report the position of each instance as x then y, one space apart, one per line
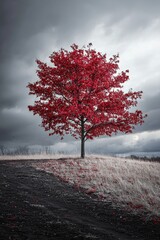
127 183
33 156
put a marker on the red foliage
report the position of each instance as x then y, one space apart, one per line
91 190
156 220
84 87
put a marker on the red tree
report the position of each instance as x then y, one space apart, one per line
81 94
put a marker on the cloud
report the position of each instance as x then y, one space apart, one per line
19 128
34 29
138 142
14 77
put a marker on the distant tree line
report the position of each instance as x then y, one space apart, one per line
19 150
145 158
24 150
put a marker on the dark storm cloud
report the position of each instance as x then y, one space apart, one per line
34 28
124 144
152 102
16 128
22 19
151 107
8 97
151 145
152 121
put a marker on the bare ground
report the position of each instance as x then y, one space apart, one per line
36 205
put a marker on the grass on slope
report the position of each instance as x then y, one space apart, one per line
129 184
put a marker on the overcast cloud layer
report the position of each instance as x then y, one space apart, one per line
35 28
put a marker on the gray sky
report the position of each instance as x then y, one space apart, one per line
35 28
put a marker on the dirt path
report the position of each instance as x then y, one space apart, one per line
35 205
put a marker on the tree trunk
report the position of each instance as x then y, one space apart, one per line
82 138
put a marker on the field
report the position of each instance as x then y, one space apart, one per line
127 184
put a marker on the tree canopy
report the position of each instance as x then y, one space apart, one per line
82 94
